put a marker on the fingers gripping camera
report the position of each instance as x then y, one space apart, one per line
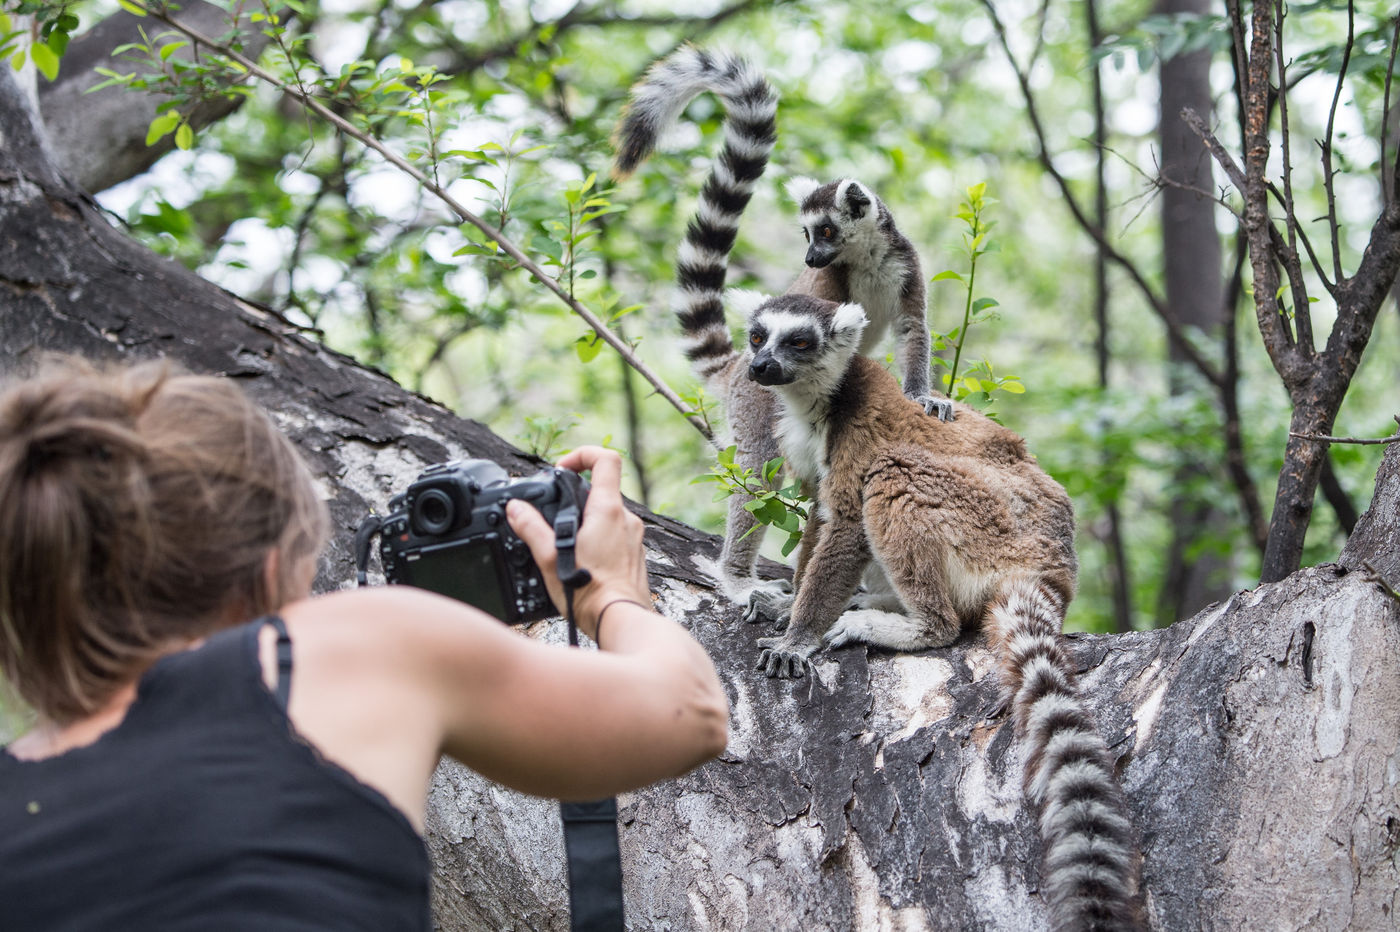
448 533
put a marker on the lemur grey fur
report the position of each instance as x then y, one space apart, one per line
967 529
856 254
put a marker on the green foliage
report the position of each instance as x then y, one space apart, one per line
542 433
979 381
55 24
510 107
773 505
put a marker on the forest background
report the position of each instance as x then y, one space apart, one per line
1110 228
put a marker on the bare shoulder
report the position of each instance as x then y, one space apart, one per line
389 623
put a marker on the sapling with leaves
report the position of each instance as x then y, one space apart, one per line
358 103
980 380
774 504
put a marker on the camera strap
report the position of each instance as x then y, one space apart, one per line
590 829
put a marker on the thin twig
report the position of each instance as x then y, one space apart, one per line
507 246
1362 441
1302 314
1326 144
1388 184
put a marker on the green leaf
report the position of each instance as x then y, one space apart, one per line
791 543
131 8
1015 388
170 48
184 136
44 59
981 304
947 275
588 347
161 126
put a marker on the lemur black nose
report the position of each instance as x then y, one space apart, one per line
765 371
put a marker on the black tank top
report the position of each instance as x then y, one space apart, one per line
203 811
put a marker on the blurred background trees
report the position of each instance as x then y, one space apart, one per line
1124 291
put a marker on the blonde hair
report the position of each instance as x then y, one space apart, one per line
138 506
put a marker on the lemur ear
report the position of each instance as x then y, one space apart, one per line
849 318
799 188
743 300
854 198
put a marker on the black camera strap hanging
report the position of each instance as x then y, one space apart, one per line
590 829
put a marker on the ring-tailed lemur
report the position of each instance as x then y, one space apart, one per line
856 254
967 528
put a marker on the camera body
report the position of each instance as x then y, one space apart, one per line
448 533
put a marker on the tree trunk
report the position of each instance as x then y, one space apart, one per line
1195 298
1257 741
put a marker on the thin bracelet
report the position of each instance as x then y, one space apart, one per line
598 628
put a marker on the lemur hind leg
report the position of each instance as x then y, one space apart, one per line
903 516
927 620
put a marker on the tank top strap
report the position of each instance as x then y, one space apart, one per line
283 691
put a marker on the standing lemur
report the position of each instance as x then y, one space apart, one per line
967 529
855 253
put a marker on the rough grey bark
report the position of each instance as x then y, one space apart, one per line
1259 742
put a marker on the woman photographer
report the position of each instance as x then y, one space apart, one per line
187 770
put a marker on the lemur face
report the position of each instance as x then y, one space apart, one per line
831 215
798 337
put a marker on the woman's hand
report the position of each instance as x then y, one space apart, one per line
609 543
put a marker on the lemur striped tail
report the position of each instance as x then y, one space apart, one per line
749 134
1091 860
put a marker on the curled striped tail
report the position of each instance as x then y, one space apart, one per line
1090 872
749 134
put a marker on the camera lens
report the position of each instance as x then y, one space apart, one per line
432 512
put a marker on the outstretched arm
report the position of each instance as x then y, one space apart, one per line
388 679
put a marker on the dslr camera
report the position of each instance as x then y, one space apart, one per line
448 533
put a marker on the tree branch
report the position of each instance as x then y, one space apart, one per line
1389 185
1302 314
506 245
468 59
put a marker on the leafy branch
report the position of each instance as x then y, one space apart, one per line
239 65
772 505
979 378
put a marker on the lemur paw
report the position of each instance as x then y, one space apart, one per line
784 658
940 408
771 601
850 628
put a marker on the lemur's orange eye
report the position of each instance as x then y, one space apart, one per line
805 235
755 339
827 232
799 344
